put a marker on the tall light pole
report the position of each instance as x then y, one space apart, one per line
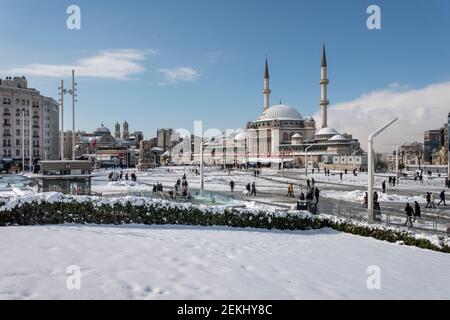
23 139
31 138
306 159
448 147
354 160
202 180
371 167
73 92
61 103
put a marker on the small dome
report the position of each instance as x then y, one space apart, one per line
297 136
327 132
338 137
281 112
102 130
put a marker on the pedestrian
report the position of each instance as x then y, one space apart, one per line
421 178
417 211
313 182
253 189
302 196
432 202
375 196
308 184
394 179
390 181
248 188
121 175
232 184
317 194
383 185
366 201
126 176
341 175
446 182
110 176
428 197
346 171
409 214
442 198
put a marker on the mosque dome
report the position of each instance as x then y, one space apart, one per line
338 138
102 130
281 112
327 132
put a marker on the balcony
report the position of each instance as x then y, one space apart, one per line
36 126
36 136
7 114
35 117
7 124
6 134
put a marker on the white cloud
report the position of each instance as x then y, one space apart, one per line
418 110
183 74
109 64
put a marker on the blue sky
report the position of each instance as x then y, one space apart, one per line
222 46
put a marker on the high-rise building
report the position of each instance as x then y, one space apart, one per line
29 122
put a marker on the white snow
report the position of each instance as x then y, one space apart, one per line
168 262
358 196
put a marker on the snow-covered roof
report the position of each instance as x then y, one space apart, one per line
338 137
281 112
327 131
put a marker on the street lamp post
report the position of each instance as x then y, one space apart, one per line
354 160
306 159
371 168
202 143
23 140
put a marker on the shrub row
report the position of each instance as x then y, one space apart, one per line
88 212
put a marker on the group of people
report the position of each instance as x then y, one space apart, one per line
412 212
114 176
431 200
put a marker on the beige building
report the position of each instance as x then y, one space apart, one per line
30 119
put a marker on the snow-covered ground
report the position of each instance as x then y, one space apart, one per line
141 262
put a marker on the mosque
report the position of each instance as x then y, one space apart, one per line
282 134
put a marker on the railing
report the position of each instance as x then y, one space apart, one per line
428 222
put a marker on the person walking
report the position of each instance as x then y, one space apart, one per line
417 211
313 182
366 201
253 189
308 184
432 201
341 175
428 197
232 184
442 198
375 196
409 214
383 186
248 188
394 180
317 195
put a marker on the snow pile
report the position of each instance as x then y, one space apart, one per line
358 196
122 183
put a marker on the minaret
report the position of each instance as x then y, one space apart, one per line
125 132
266 91
324 95
117 131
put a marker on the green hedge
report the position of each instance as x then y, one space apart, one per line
46 213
